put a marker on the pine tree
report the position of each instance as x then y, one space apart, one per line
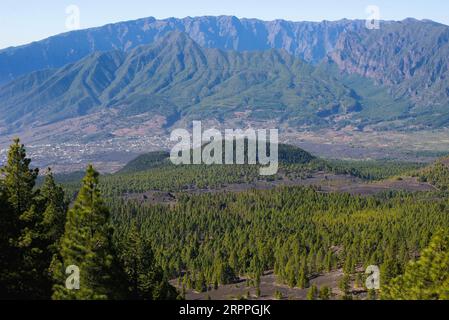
425 279
17 189
8 253
200 284
345 286
227 275
87 244
312 293
389 269
303 281
325 293
328 261
359 281
145 278
39 241
291 276
348 267
372 295
278 295
18 179
52 202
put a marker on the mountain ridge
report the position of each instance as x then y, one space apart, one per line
308 40
175 74
392 78
412 59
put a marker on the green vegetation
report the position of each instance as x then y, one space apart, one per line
147 161
154 171
31 225
372 170
297 232
40 240
424 279
128 249
86 243
176 78
312 294
437 175
204 78
278 295
325 293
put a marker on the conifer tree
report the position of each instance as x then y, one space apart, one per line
303 281
52 203
18 179
7 252
358 281
425 279
312 293
345 286
325 293
145 278
39 241
87 244
372 295
17 184
389 269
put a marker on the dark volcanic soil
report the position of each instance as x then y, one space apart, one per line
326 182
268 287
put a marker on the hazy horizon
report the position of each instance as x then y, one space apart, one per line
23 22
193 17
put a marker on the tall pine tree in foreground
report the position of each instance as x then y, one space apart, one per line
425 279
87 244
18 179
6 250
51 202
39 241
20 277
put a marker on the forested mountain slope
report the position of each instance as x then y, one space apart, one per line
177 79
308 40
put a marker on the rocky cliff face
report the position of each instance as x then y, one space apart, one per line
308 40
411 57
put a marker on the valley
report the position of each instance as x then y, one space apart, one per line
309 232
400 182
105 103
361 170
46 145
154 190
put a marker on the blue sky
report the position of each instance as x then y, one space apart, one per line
25 21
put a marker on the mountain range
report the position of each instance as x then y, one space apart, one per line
177 79
310 41
292 74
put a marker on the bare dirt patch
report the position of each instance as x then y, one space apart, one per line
268 286
329 183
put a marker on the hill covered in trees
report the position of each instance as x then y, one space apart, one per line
127 249
437 174
287 154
